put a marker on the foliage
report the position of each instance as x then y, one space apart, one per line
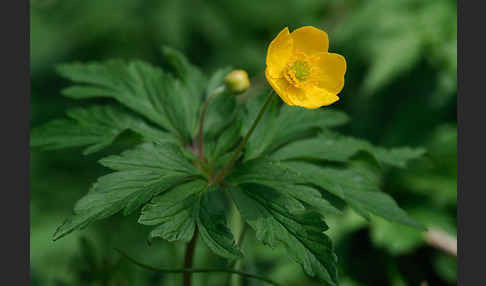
400 90
179 192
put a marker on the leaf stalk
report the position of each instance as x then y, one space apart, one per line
240 147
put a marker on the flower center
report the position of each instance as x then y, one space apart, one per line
300 69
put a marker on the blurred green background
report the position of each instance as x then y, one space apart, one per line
400 89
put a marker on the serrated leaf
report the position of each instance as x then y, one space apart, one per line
359 191
265 171
211 222
282 179
397 156
95 127
142 173
297 121
334 147
141 87
114 192
158 156
220 113
310 196
228 139
189 74
173 212
194 82
280 125
300 232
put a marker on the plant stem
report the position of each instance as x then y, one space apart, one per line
197 270
441 240
190 249
203 118
240 147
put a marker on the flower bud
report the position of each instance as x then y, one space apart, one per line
237 81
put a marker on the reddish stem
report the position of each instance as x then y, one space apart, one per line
190 249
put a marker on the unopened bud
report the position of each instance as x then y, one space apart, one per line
237 81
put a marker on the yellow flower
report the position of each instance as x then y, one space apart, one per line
302 71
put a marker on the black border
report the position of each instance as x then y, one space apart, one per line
14 25
15 95
471 104
460 162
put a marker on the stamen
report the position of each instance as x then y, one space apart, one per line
301 70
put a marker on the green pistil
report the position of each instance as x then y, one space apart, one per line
301 70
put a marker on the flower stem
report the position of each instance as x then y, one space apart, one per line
240 147
190 249
197 270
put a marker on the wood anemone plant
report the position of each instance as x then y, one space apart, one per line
199 155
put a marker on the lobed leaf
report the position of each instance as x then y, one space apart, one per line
211 222
300 232
158 156
174 212
282 125
142 173
195 83
171 103
334 147
284 180
95 127
355 188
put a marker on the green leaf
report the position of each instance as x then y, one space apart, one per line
266 129
296 122
142 173
356 188
397 156
395 238
194 82
95 127
310 196
217 79
153 156
281 125
141 87
221 113
211 222
173 212
188 73
391 42
282 179
395 55
331 146
265 171
300 232
227 140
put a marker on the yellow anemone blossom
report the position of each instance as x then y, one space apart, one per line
302 71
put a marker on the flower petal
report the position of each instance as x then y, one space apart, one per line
310 40
315 97
280 85
332 69
321 97
279 52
